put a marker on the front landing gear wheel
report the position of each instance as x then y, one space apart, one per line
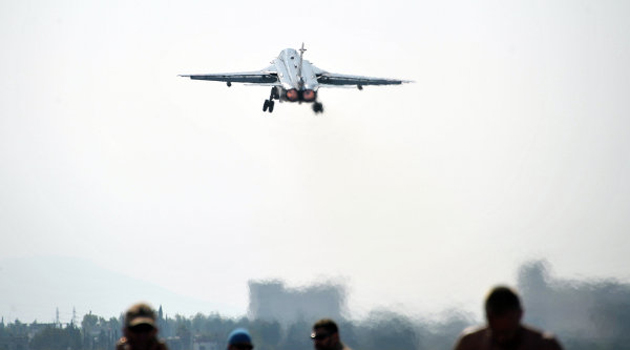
271 104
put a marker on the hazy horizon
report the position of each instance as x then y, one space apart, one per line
98 290
511 146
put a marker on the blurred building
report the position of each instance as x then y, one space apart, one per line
273 301
596 310
205 343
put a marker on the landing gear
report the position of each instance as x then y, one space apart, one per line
268 105
318 107
274 94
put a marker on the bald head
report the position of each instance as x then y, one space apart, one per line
501 300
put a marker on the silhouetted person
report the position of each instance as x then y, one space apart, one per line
326 336
504 329
140 330
239 339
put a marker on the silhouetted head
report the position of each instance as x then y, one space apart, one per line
240 339
140 326
325 335
504 313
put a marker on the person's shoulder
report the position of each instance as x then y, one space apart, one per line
474 331
546 339
122 344
538 333
161 345
471 338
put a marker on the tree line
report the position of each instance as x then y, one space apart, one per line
389 331
381 330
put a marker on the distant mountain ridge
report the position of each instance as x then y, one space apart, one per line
33 288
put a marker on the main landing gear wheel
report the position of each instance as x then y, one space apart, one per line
268 105
318 107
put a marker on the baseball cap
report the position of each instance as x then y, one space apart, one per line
138 314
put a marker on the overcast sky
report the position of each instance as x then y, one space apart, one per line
512 144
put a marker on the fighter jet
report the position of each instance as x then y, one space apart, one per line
294 79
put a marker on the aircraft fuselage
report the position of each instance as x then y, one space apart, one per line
298 82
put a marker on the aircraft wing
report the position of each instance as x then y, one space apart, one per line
334 79
265 76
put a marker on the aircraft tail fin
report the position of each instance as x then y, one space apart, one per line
299 72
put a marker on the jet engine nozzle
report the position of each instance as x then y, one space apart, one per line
308 95
292 95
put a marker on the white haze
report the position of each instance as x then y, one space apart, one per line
511 144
